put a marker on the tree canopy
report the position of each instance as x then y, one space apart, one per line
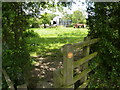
45 19
78 17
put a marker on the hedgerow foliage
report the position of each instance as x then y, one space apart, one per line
104 23
15 57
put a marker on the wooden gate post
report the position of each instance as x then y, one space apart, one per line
67 51
86 51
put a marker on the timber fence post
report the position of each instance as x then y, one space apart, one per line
68 65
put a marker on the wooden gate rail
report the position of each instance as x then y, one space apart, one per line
84 84
85 43
64 77
84 60
83 73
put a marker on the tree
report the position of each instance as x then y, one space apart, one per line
51 16
103 21
67 17
45 19
77 17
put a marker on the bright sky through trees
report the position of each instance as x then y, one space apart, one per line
76 5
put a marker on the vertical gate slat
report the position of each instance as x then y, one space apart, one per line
86 51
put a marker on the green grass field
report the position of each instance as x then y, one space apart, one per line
49 40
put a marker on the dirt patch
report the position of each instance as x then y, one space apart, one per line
42 72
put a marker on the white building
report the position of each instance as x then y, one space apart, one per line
59 21
56 20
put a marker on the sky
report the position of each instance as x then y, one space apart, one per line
78 5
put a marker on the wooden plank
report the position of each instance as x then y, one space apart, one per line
9 82
67 64
85 43
82 74
85 59
84 84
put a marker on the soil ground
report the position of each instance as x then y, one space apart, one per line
42 71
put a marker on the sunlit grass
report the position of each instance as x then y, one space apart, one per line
33 54
51 39
60 31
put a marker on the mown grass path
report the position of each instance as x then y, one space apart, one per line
44 47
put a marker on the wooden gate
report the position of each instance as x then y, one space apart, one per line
66 77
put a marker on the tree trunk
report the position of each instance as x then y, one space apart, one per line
44 26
